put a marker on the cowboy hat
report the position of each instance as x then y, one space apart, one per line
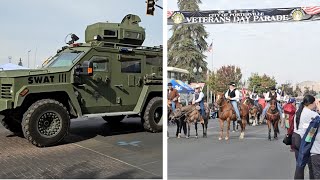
232 84
197 86
273 88
169 84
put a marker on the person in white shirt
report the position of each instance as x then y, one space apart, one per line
233 95
304 115
272 94
254 96
198 97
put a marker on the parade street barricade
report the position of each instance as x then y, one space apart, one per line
307 142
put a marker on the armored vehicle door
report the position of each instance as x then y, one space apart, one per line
126 80
94 91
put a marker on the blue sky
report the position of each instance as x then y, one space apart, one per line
41 26
287 51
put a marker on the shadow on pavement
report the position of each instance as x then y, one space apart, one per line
90 128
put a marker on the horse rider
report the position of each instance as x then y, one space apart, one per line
233 95
254 96
198 97
271 95
173 96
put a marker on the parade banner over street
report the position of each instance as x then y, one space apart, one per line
244 16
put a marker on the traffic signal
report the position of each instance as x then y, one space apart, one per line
150 7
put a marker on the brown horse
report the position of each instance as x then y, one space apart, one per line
254 112
227 113
191 115
273 117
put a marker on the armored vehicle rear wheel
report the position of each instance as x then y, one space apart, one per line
10 124
153 115
113 119
46 122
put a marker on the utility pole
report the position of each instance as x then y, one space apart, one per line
28 58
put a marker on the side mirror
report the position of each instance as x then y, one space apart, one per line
86 69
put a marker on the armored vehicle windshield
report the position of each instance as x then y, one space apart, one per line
65 59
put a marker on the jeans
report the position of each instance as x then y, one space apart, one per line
235 107
173 106
267 107
203 114
256 103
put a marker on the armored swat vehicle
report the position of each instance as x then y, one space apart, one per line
110 76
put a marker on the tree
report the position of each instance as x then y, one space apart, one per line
187 43
262 83
287 88
297 92
309 92
219 81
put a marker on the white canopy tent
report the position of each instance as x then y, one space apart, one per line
10 66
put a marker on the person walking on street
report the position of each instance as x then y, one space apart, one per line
289 109
305 113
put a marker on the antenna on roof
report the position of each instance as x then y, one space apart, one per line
10 57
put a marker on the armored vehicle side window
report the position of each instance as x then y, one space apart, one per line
131 66
110 33
154 60
65 59
100 63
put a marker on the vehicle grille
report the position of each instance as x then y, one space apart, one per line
6 91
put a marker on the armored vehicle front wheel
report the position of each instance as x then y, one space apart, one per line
10 124
153 115
113 119
46 122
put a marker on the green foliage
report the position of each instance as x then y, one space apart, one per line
262 83
187 44
219 81
308 91
297 92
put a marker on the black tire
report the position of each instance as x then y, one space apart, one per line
10 124
113 119
45 123
152 115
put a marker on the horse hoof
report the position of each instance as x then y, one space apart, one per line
196 137
233 131
220 138
187 137
226 138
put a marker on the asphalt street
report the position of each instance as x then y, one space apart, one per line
254 157
93 149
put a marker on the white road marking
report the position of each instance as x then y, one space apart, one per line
116 159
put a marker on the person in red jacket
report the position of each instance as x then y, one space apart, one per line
289 109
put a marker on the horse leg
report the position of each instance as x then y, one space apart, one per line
275 130
204 133
196 127
178 129
188 130
184 126
233 126
221 122
243 128
206 127
228 129
269 130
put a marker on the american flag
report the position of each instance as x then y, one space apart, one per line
210 48
312 10
169 14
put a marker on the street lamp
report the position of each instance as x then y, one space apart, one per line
197 72
28 57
